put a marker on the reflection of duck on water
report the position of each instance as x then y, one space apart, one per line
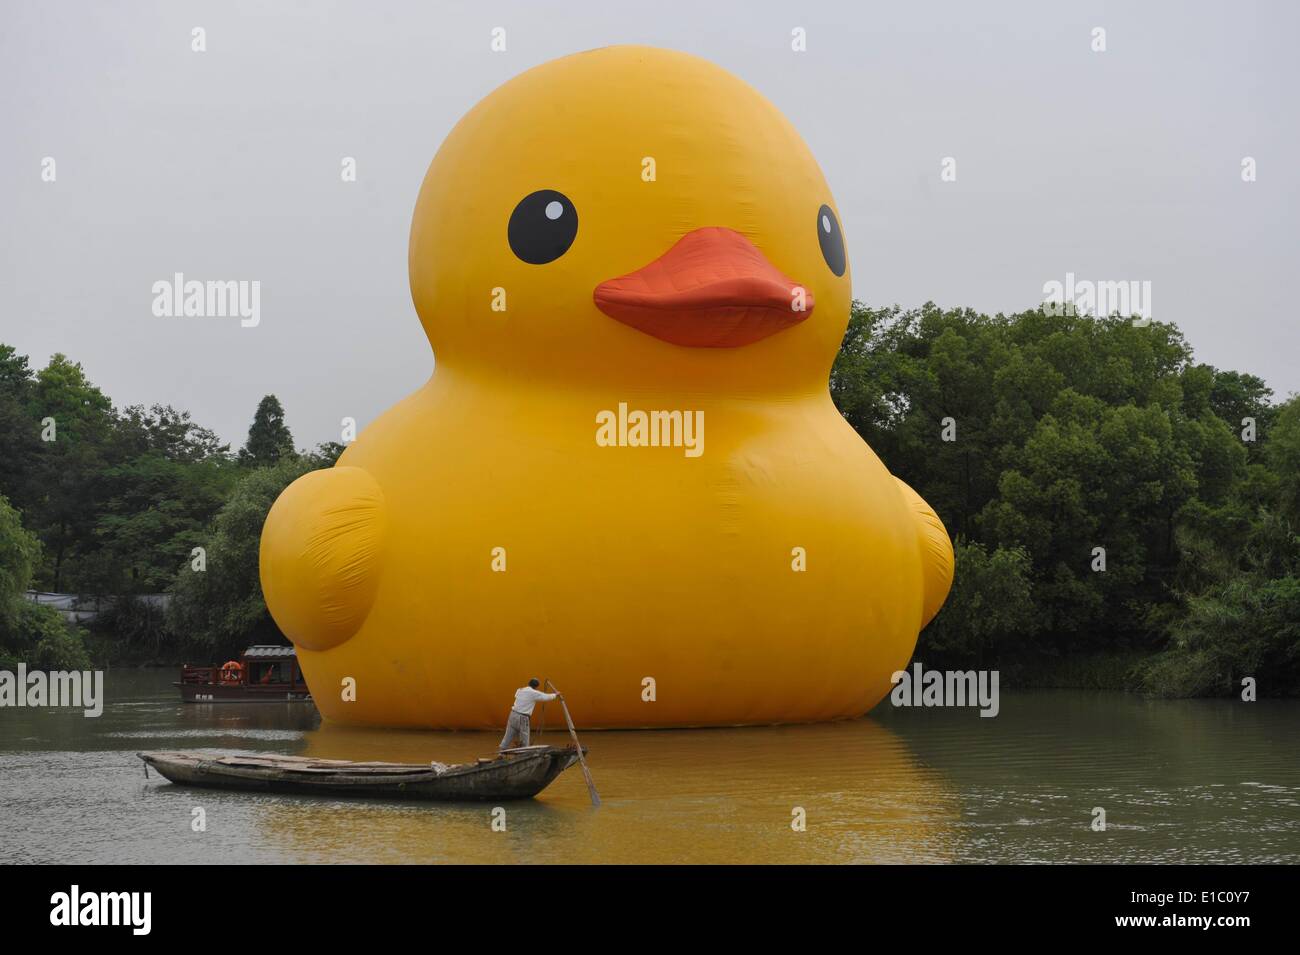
712 796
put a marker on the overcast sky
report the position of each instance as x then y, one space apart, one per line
226 165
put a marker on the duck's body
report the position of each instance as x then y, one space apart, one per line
497 523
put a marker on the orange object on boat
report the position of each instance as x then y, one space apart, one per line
232 672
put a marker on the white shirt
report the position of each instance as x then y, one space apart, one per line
526 697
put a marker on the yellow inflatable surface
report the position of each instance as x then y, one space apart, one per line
626 473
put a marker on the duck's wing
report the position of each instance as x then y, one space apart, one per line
936 552
320 553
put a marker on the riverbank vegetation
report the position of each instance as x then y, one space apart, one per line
117 502
1123 516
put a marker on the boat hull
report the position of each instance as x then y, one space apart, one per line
517 774
239 693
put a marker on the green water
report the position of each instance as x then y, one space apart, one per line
1185 781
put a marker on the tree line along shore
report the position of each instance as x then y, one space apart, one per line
1123 516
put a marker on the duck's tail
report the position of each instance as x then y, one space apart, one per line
936 553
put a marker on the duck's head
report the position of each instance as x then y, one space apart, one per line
631 216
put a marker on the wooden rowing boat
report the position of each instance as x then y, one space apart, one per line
518 773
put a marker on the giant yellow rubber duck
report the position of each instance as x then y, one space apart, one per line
626 473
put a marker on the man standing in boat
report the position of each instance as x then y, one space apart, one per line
526 697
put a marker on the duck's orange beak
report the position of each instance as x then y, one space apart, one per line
713 289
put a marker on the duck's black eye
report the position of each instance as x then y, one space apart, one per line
831 239
542 227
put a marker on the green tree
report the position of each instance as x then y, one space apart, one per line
1282 456
326 454
19 553
268 437
221 607
1237 398
156 512
1056 435
167 480
1244 624
69 470
20 444
989 613
171 433
30 633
